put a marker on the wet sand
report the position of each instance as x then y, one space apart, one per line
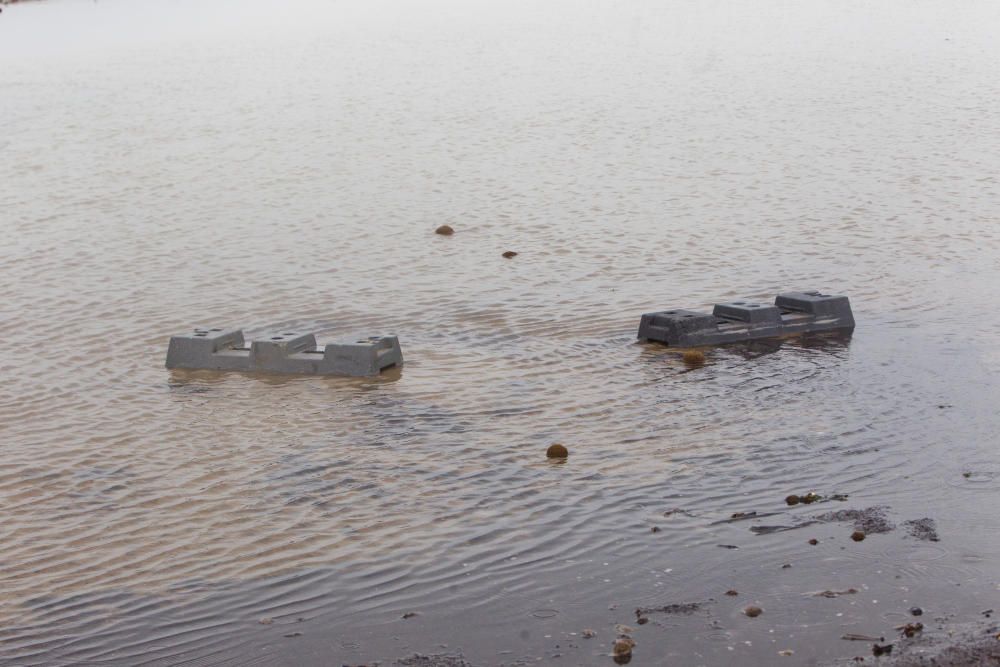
170 165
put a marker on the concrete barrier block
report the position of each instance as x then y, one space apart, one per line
281 352
736 321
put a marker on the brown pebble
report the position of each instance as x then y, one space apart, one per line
623 647
792 499
911 629
642 620
732 593
444 230
753 612
509 254
786 566
857 536
814 541
557 451
266 621
409 614
588 634
810 498
693 357
654 529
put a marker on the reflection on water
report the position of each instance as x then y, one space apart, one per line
266 166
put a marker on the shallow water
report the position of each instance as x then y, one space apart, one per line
271 165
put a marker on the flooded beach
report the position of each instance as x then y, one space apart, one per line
268 166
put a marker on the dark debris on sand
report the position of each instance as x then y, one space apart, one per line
922 529
685 609
974 650
442 660
869 520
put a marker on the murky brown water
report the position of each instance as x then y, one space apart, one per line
264 164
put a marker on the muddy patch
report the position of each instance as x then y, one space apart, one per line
685 609
950 648
442 660
922 529
869 520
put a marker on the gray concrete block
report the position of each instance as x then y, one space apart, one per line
736 321
282 352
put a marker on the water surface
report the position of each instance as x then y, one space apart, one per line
269 165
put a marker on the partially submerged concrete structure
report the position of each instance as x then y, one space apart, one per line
286 352
736 321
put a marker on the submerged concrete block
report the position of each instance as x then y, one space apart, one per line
792 312
285 352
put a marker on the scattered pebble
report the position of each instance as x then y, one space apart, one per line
293 634
966 475
814 541
509 254
693 357
266 621
622 647
810 498
911 629
654 529
753 612
857 536
916 611
410 614
732 593
642 620
444 230
557 451
792 499
787 652
588 634
786 566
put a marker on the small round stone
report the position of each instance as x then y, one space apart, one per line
753 612
857 536
693 357
509 254
444 230
557 451
792 499
623 646
814 541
